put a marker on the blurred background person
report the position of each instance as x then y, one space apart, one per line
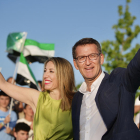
17 105
34 86
5 118
29 114
21 131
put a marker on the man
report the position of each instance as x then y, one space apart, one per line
103 108
21 131
5 118
29 114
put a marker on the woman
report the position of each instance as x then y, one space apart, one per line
52 107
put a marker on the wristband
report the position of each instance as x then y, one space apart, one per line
2 123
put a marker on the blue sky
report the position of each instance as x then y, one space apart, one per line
62 22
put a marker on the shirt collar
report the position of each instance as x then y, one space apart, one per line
96 83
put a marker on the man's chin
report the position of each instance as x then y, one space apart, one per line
90 79
4 106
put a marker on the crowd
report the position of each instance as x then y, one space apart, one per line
19 123
10 125
102 108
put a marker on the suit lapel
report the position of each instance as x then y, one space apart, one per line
102 85
79 102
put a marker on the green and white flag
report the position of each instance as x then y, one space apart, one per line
34 51
15 42
25 75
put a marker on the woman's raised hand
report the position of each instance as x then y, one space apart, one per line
23 94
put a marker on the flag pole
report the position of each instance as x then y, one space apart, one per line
11 104
15 72
38 88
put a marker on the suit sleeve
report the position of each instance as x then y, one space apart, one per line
131 77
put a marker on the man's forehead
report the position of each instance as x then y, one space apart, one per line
87 48
87 45
22 132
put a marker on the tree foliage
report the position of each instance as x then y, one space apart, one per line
78 86
119 52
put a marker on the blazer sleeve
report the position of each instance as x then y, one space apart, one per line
131 77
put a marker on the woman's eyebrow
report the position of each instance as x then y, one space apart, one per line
49 69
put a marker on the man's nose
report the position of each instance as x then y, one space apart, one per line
88 61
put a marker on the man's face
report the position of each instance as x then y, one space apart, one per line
28 111
90 69
21 135
4 101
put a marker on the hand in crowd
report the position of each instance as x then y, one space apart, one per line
8 130
7 119
19 107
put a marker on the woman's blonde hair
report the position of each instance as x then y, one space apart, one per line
66 82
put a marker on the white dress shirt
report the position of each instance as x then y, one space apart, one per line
137 117
92 126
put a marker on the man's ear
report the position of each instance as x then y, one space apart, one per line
75 64
102 58
15 134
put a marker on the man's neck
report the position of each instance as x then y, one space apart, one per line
89 86
4 109
90 81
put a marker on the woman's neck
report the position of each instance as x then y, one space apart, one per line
55 95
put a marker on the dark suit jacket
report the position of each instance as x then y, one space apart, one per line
115 101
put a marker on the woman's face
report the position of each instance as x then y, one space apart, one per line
49 77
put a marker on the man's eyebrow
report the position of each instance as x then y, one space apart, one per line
22 133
